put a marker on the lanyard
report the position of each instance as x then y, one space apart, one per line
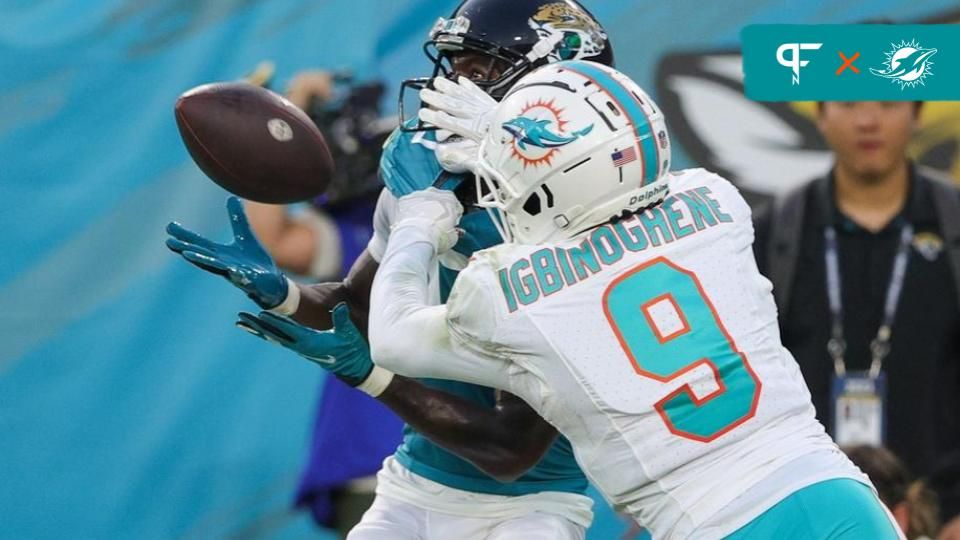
880 346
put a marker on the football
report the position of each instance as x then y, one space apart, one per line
254 143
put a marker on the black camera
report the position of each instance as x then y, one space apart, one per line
355 129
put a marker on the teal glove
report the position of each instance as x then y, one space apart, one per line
244 262
341 351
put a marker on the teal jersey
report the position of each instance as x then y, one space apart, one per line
408 164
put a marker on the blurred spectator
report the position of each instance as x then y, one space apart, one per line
321 240
865 264
945 479
911 502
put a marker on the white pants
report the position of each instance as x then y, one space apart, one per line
390 519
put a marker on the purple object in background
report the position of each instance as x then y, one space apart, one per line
352 433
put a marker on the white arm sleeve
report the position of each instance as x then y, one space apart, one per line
383 218
413 339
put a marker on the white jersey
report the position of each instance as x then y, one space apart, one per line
652 344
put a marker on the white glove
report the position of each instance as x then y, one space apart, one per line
457 155
435 211
460 107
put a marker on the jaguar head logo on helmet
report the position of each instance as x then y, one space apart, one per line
607 151
578 36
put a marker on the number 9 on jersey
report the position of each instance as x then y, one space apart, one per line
698 338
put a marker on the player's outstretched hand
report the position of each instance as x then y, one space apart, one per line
244 262
341 351
434 210
460 107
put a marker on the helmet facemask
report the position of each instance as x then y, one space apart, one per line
495 195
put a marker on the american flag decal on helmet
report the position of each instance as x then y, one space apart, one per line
622 157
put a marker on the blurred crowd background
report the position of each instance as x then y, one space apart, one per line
129 405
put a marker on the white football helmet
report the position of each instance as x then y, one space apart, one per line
571 146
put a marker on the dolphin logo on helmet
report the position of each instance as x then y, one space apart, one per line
537 133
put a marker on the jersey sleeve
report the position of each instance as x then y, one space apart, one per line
723 193
733 201
383 217
475 312
762 225
413 338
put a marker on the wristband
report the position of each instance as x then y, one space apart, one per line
378 381
291 303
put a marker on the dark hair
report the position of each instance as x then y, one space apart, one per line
917 105
896 485
886 471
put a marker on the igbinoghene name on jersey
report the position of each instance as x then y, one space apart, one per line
549 270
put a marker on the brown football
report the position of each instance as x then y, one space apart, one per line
254 143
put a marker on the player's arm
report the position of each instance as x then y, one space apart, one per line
317 301
503 442
761 230
408 335
487 437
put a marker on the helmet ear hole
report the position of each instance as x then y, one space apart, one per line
532 206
